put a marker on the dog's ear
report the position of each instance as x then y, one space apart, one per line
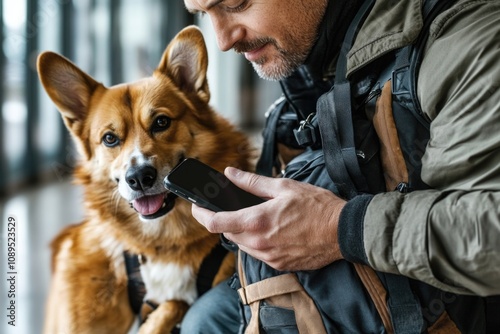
185 61
69 88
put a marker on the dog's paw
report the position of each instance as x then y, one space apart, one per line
164 318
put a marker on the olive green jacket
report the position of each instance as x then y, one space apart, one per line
448 237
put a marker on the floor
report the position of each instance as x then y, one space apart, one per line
39 214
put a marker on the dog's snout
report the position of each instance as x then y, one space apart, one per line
141 178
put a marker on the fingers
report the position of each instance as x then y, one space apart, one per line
256 184
219 222
203 216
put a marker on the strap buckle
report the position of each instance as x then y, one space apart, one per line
306 133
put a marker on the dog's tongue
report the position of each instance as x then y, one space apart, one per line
148 205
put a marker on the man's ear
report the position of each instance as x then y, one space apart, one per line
185 61
68 86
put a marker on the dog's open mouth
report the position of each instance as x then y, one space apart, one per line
154 206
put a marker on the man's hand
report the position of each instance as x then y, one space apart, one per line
295 229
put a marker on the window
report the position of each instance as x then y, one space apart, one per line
114 41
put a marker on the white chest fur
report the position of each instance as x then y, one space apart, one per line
167 281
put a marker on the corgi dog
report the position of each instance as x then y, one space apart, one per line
129 137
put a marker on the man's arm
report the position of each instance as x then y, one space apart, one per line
448 237
456 247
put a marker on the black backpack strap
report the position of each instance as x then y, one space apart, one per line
405 309
492 314
334 159
135 284
335 121
408 60
413 125
209 268
267 159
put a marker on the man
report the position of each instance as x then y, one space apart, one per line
447 236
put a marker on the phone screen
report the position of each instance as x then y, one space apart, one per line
206 187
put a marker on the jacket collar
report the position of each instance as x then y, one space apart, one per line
323 56
389 26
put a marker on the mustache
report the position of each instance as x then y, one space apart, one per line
246 46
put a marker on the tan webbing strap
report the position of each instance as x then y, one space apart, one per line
282 291
393 162
241 274
270 287
377 293
307 314
252 295
253 325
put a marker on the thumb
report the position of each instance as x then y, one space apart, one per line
259 185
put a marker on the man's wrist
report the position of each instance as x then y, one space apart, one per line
350 229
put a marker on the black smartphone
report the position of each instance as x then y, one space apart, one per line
206 187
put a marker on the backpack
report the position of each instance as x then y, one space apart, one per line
366 301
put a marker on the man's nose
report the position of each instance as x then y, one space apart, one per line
227 33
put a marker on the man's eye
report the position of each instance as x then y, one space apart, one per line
110 140
235 6
161 123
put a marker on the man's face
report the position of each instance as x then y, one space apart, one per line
276 36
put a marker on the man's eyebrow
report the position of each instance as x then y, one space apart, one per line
214 3
208 7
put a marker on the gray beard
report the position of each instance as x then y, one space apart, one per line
287 65
273 76
287 61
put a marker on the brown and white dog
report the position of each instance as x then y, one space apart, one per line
129 137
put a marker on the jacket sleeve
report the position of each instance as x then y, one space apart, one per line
448 237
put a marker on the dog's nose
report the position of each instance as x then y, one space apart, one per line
141 178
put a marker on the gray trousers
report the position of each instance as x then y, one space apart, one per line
216 312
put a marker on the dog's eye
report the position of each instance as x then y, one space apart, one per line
161 123
110 140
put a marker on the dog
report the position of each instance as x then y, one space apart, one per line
129 137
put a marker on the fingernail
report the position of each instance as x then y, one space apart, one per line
234 172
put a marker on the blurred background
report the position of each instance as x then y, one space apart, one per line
115 41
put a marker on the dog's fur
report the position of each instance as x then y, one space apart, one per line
129 137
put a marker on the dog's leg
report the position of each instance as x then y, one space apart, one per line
55 317
165 317
88 292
